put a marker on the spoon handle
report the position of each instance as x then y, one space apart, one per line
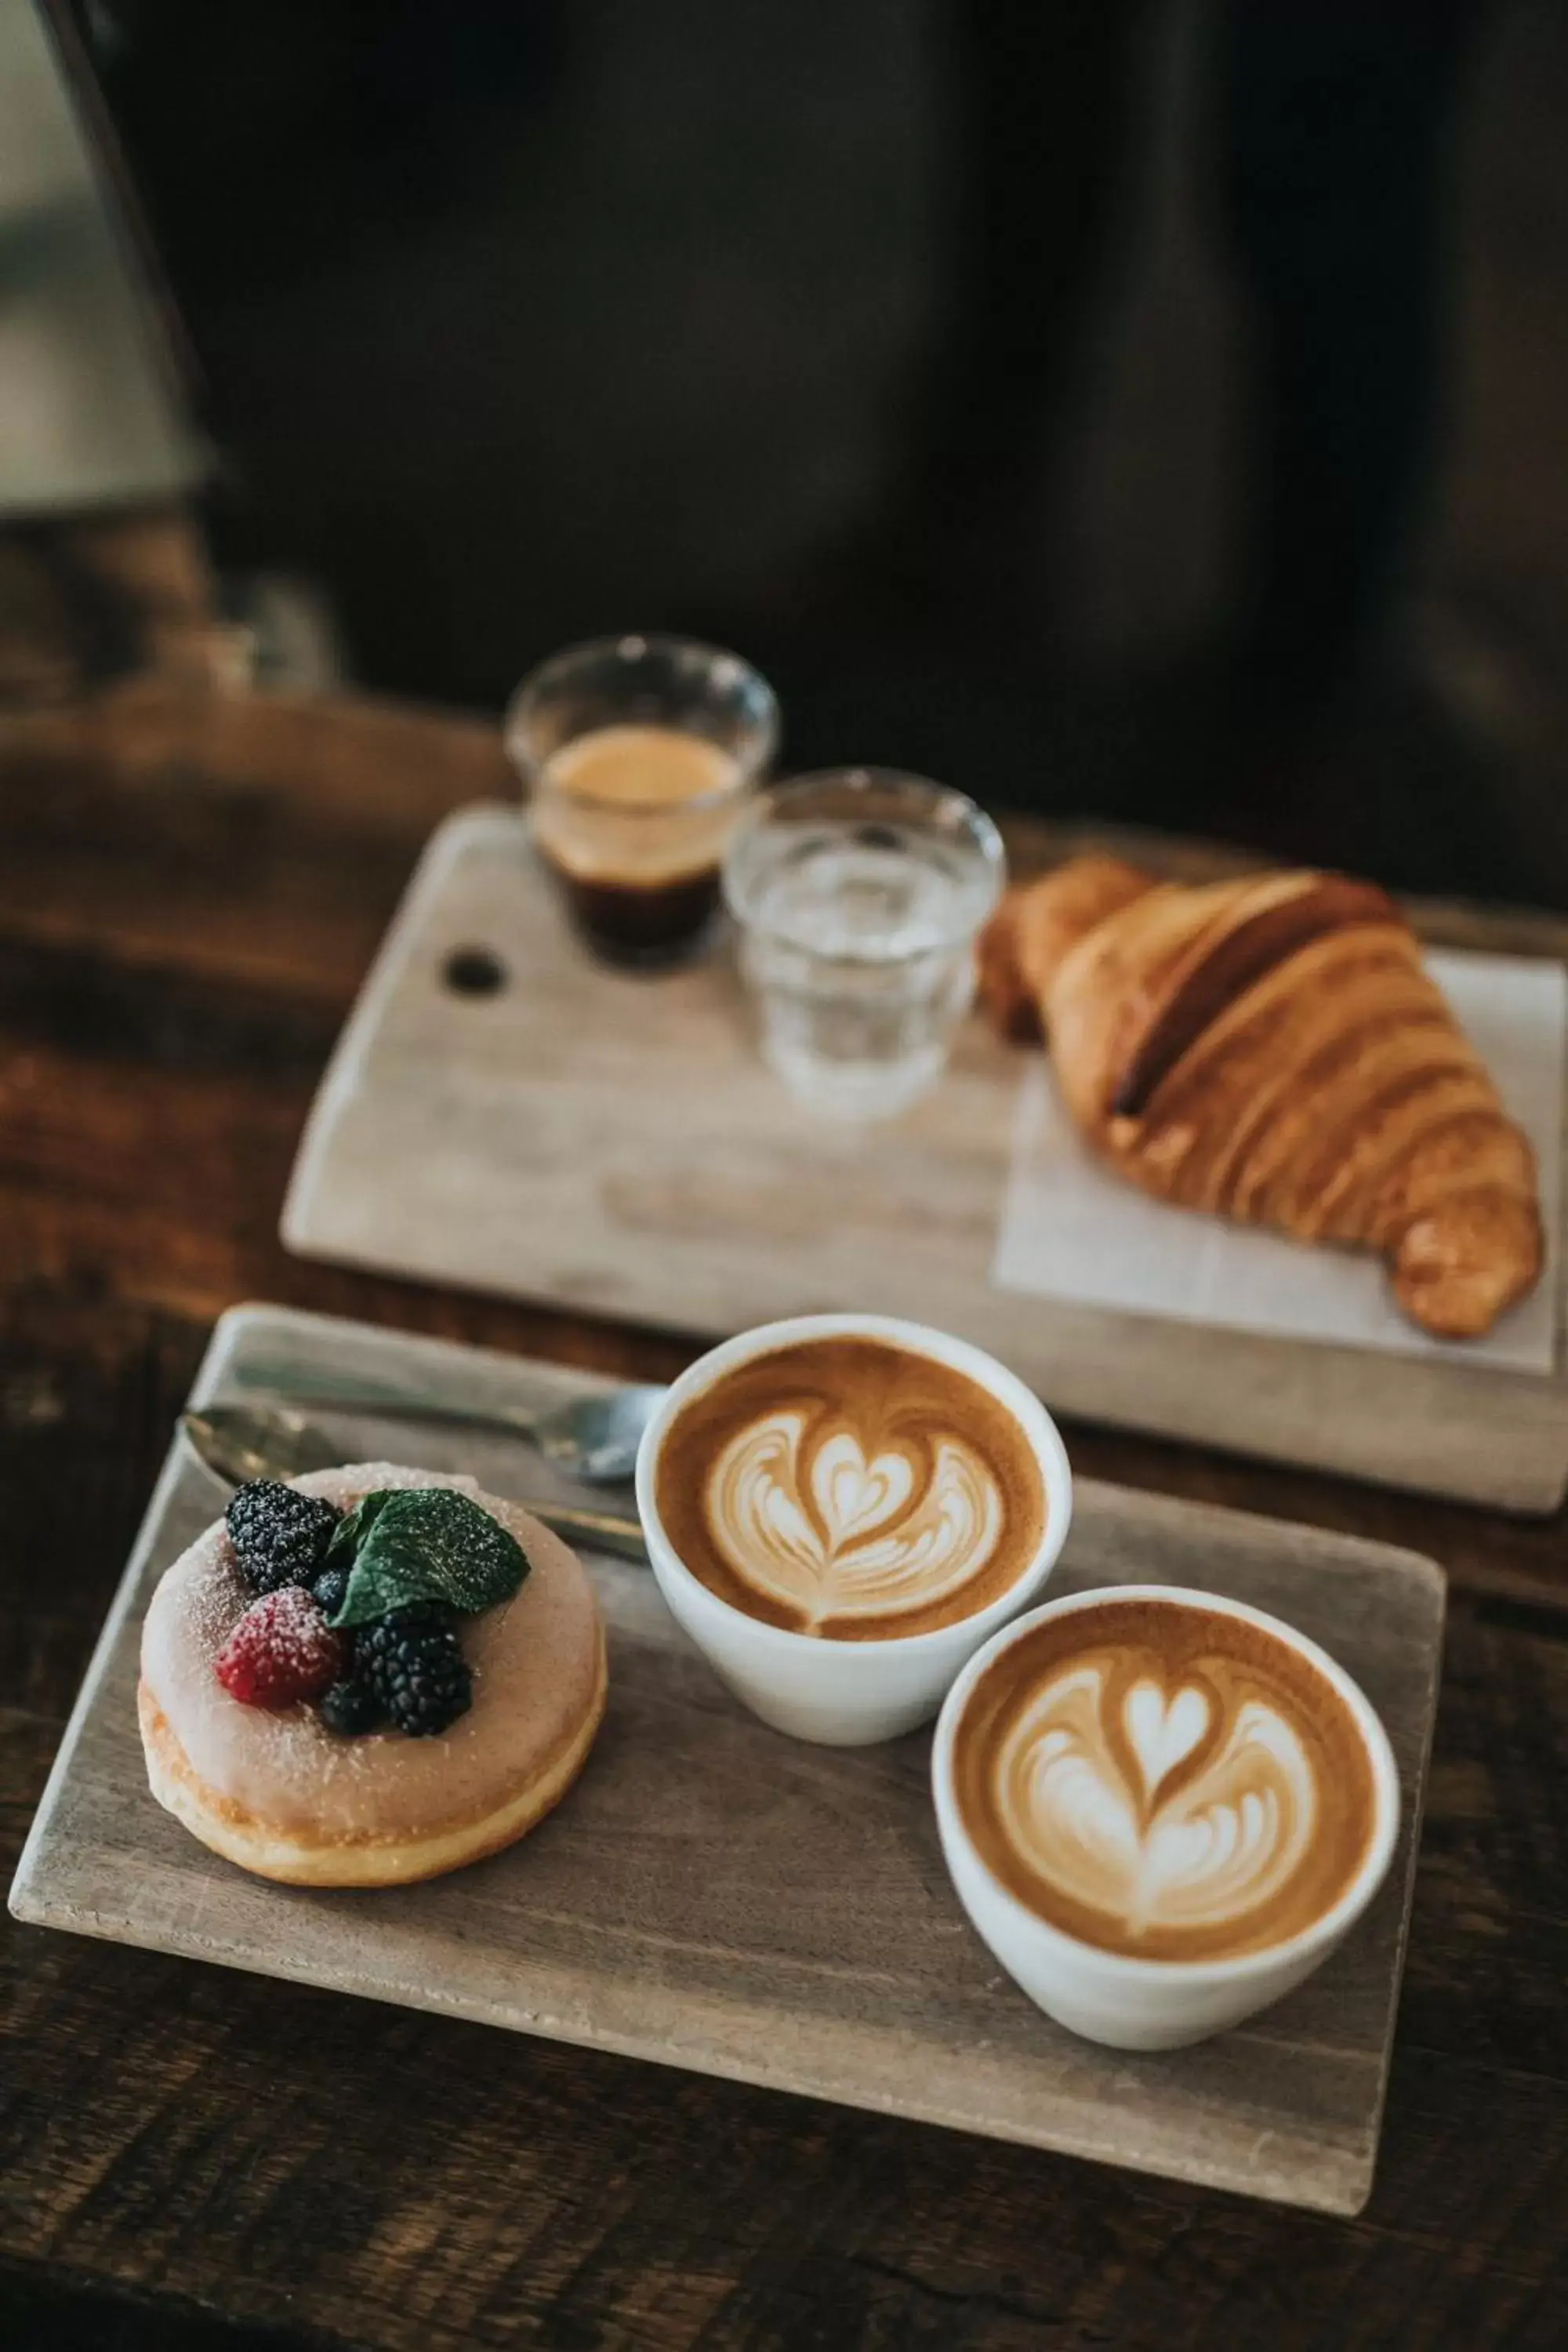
596 1530
506 1421
613 1531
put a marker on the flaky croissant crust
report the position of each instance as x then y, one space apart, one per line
1271 1049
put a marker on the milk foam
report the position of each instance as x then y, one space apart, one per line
636 804
802 1515
1155 1805
852 1489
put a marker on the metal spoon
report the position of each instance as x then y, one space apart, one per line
592 1438
237 1441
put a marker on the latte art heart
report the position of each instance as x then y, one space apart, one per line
1162 1730
806 1518
1163 1780
854 1496
1151 1806
851 1489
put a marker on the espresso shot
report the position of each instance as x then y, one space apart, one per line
634 820
639 754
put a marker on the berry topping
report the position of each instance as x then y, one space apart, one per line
412 1661
351 1710
329 1588
281 1651
279 1535
403 1544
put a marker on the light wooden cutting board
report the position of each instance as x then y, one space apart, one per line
613 1143
715 1897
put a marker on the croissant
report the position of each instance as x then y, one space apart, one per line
1271 1049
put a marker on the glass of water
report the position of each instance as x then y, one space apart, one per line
858 894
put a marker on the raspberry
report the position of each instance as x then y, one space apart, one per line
282 1650
279 1535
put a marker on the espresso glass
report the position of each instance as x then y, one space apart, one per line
639 869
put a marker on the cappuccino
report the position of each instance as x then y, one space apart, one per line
1165 1781
848 1488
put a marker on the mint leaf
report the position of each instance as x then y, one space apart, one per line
354 1526
423 1543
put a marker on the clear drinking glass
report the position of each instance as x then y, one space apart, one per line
858 894
638 754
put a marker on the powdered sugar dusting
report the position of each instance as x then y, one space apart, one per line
533 1662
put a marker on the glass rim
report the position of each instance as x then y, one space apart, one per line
632 646
772 800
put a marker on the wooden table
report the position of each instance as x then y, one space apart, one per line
190 886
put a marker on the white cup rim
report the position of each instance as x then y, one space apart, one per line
916 1339
1132 1968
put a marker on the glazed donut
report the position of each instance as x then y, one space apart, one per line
281 1795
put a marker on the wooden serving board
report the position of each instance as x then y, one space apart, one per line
715 1897
613 1143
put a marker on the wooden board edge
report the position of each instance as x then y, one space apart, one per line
1417 1802
1416 1566
1537 1493
441 850
1345 2191
126 1593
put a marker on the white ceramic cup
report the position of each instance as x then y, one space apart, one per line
1111 1997
846 1693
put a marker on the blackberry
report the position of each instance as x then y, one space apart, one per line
329 1588
279 1535
418 1616
411 1660
351 1710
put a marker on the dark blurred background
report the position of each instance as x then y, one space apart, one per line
1152 410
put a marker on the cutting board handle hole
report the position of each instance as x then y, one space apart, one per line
474 971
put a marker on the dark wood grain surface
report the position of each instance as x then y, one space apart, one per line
190 888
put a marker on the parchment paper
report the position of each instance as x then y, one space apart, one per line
1071 1229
